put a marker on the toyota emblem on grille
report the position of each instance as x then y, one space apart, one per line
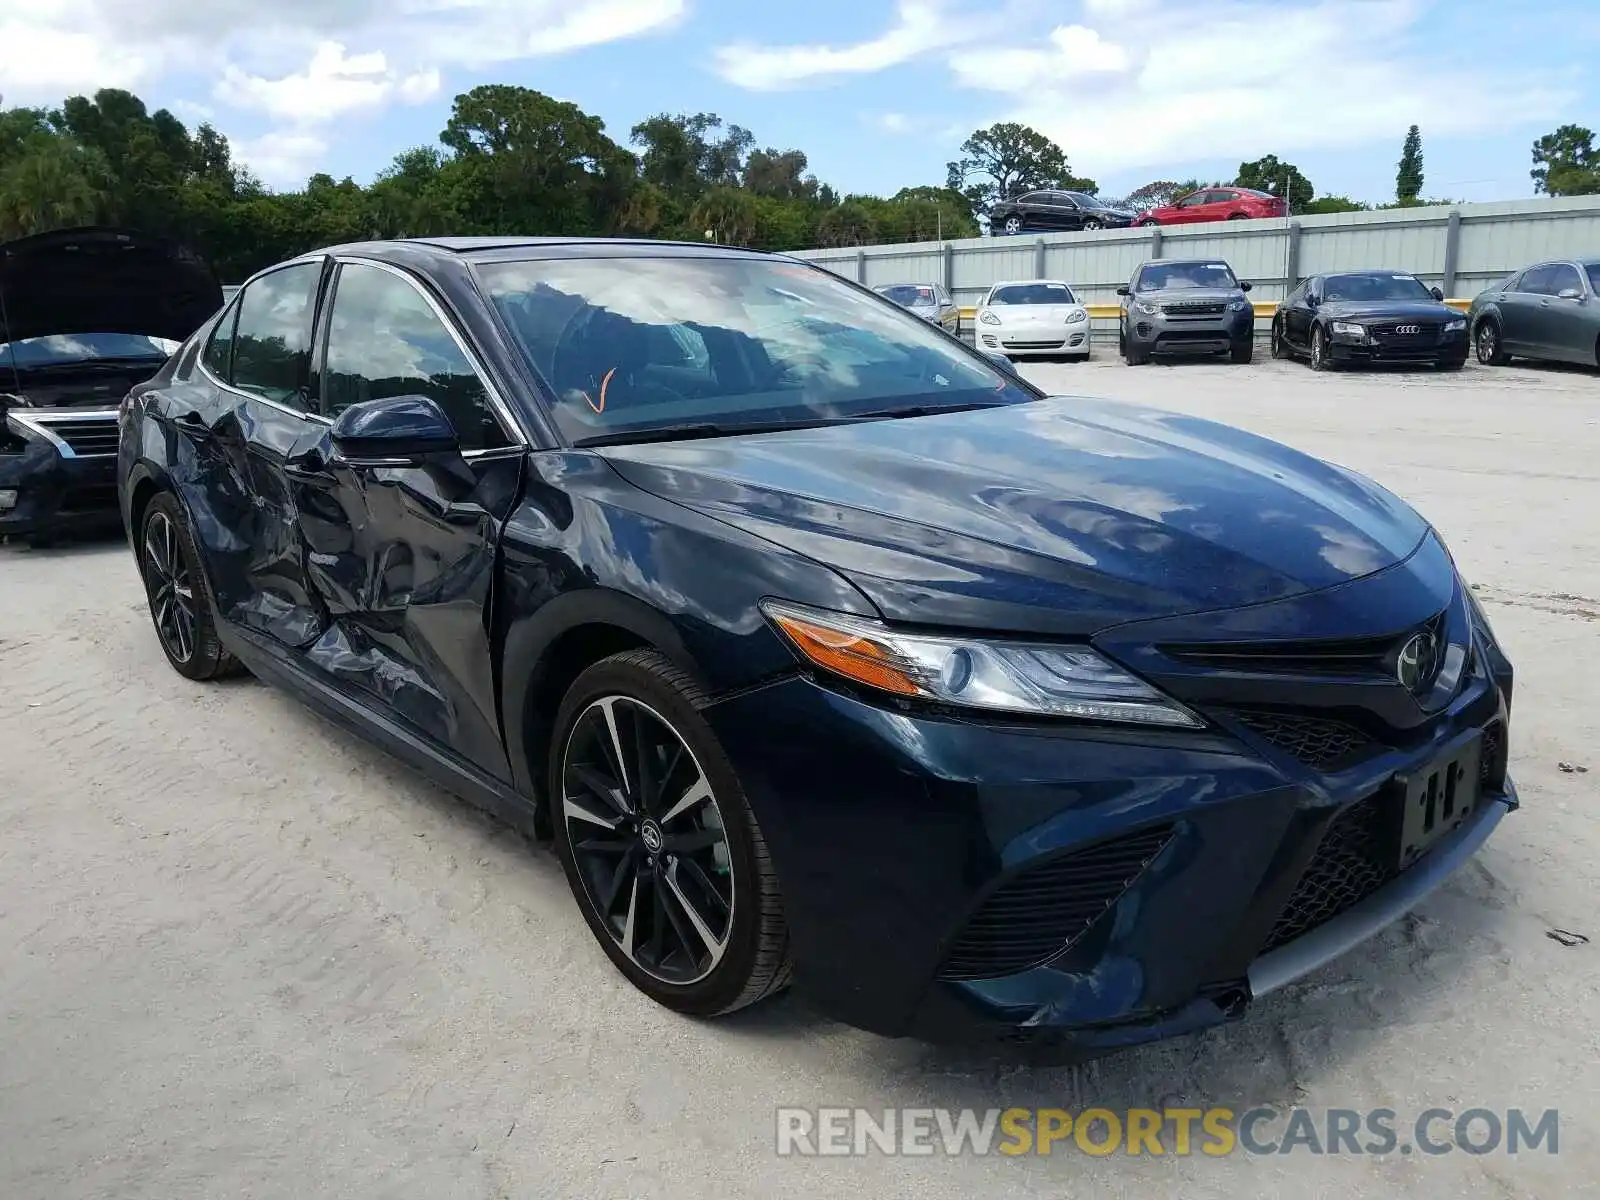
1408 329
1417 661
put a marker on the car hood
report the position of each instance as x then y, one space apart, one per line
1062 515
1033 314
1175 295
1400 310
103 280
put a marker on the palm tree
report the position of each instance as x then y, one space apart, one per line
52 185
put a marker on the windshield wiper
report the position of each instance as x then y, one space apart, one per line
91 364
926 410
686 432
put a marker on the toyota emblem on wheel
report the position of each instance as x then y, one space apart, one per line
1408 329
1417 661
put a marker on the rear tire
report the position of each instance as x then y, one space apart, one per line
1279 347
694 918
179 596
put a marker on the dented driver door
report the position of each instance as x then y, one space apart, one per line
403 556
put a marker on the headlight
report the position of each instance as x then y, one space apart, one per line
1237 306
1455 326
1014 677
1076 315
1480 619
1146 307
988 318
1350 328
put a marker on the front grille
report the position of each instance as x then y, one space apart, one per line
1353 860
1016 345
1036 914
94 436
1354 656
1195 308
1387 334
1319 742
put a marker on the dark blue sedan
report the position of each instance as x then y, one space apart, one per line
818 644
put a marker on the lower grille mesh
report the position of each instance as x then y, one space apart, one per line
1352 861
1035 915
1318 742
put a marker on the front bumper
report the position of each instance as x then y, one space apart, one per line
913 848
56 492
1162 334
1445 350
1024 343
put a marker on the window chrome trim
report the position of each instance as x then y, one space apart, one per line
511 426
40 423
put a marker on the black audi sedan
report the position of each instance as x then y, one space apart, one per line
1369 317
820 645
85 314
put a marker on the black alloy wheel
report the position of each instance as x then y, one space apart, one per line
1280 348
180 601
658 842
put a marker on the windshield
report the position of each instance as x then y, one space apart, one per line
1033 293
83 347
908 294
1086 201
628 345
1159 276
1375 286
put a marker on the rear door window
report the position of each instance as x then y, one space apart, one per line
218 355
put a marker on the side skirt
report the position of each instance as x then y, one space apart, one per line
276 666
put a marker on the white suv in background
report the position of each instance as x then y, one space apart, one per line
1033 317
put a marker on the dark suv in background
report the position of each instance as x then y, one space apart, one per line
1186 307
1055 211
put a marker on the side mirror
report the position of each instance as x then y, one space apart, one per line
1438 294
1569 294
395 430
1122 290
1245 285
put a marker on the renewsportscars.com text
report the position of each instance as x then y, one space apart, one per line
1176 1131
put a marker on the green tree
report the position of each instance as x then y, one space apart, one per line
728 214
1333 204
849 223
1566 163
780 174
1408 175
51 184
1006 160
1268 174
1154 194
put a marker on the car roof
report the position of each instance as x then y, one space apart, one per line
1183 262
1000 283
481 247
1366 271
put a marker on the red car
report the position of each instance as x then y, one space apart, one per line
1215 204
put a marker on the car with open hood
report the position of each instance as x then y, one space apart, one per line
1380 317
822 648
85 314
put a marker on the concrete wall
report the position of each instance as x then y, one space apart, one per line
1462 249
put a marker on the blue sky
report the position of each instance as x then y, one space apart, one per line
879 93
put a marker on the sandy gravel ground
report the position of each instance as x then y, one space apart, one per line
241 954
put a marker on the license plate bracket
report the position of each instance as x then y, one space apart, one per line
1438 797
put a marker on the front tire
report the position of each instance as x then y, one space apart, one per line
1013 226
1321 359
178 594
1279 348
1091 224
1134 356
1242 352
658 842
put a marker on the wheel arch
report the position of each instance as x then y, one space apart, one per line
547 650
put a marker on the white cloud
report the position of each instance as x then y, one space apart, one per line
1152 82
920 26
282 157
332 84
287 59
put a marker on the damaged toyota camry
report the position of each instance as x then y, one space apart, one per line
85 314
822 647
